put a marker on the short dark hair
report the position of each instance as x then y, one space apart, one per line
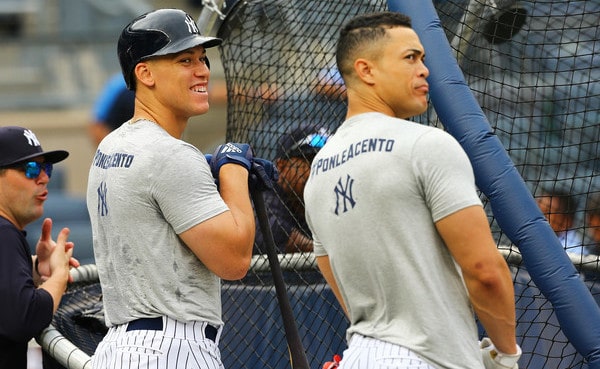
362 30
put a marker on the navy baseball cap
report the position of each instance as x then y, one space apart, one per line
303 141
18 144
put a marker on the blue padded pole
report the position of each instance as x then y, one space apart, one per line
514 208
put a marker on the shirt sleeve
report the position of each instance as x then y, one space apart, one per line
318 248
446 174
185 189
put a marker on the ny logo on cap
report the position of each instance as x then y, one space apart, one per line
192 27
31 139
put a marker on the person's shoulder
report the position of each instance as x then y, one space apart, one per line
168 145
148 137
432 133
432 143
11 235
416 129
379 119
177 151
7 226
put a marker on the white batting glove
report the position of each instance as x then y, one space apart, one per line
494 359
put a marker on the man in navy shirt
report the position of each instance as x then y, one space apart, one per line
285 204
30 286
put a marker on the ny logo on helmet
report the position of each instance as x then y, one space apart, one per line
192 27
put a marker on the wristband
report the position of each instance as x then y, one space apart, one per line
492 355
507 360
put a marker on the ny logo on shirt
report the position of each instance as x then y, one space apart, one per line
102 204
343 195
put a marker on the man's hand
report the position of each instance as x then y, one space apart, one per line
48 258
230 153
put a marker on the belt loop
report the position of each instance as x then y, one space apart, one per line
211 332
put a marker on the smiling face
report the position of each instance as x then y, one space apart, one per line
180 81
22 199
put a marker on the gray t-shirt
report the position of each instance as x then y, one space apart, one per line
144 188
374 194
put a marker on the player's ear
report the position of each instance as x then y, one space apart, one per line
144 74
363 69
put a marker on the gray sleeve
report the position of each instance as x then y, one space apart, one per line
185 190
445 173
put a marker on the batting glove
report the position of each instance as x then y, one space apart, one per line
236 153
262 175
494 359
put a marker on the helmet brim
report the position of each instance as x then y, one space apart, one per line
188 43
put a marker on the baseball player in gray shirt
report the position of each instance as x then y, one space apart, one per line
399 231
164 233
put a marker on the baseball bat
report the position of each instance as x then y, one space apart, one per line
298 358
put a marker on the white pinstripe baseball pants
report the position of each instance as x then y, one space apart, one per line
370 353
177 345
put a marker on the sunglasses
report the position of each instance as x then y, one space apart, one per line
314 140
33 169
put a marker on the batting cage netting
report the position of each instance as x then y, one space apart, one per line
533 67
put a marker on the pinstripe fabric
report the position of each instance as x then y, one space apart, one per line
370 353
178 345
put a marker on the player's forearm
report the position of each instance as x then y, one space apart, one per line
56 286
234 191
493 301
487 277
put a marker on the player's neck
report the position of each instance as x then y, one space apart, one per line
168 122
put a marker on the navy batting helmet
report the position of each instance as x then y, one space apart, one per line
159 32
